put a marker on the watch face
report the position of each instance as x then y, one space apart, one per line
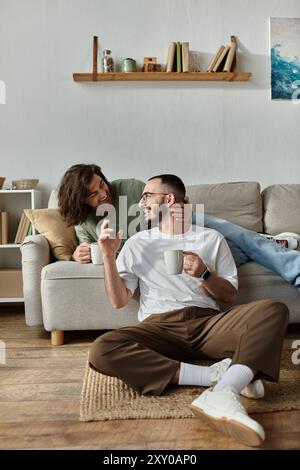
206 274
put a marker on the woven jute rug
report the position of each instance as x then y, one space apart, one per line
108 398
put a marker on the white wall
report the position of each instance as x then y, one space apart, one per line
205 132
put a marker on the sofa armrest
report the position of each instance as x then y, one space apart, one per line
35 252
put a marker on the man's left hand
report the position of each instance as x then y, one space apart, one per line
193 264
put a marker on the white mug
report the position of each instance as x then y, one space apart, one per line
96 254
173 261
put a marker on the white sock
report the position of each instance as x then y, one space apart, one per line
237 377
191 374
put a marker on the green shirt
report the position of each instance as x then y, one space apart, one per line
133 189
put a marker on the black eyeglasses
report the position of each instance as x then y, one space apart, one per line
147 196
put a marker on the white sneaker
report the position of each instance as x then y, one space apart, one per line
254 390
218 370
223 410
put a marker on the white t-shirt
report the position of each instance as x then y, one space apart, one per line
141 262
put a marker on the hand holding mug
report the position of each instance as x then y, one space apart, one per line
193 264
82 254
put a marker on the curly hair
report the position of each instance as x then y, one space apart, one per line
73 191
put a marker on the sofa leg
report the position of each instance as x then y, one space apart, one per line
57 338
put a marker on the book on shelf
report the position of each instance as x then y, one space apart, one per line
25 228
185 57
174 68
221 60
29 231
0 229
178 57
4 227
231 57
171 57
215 59
20 228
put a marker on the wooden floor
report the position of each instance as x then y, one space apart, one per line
39 401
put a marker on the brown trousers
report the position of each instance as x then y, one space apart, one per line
146 356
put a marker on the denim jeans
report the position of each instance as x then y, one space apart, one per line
247 245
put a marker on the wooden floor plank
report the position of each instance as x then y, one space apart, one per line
46 353
44 342
41 391
46 363
38 411
26 375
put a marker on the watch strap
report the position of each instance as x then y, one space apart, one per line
205 275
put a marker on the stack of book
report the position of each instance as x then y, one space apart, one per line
24 229
224 58
3 227
178 57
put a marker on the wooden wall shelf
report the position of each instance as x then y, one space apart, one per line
163 76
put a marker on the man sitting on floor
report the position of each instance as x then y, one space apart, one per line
180 322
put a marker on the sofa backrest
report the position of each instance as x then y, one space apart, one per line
281 204
238 202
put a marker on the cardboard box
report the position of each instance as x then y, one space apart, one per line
11 282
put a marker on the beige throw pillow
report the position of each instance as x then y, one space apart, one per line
50 224
281 208
238 202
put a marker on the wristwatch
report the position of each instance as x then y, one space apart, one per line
205 275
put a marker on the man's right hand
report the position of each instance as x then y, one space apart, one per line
181 213
82 254
107 242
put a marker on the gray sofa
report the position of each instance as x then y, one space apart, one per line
65 295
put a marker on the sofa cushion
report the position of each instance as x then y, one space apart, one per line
257 282
238 202
281 208
50 224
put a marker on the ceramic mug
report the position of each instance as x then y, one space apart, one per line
129 65
173 261
96 254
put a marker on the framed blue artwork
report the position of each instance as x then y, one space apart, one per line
285 58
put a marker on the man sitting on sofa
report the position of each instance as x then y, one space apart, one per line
84 188
179 317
